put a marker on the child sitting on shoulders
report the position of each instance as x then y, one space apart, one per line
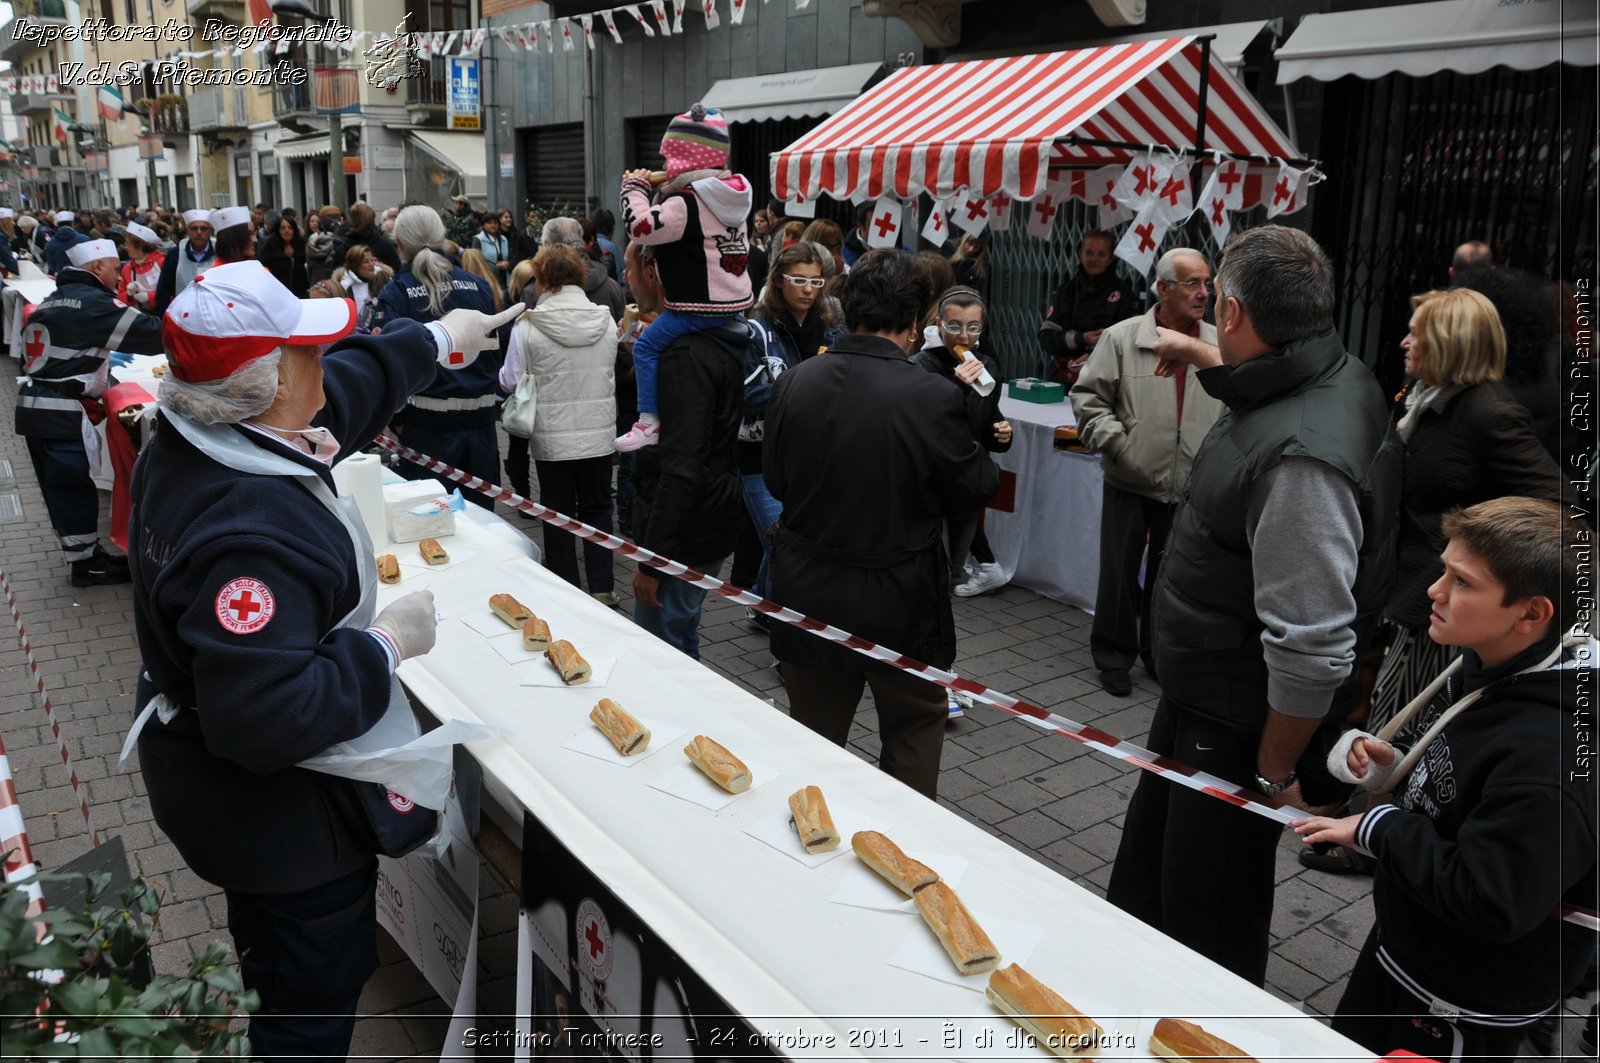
697 225
1493 818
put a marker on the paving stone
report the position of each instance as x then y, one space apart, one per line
1033 830
1298 905
1294 982
1078 773
1010 764
1316 951
1019 795
1071 859
1087 807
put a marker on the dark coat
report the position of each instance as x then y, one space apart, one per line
290 267
381 246
687 497
1481 445
868 453
983 411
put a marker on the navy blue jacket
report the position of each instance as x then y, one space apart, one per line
221 778
405 298
55 252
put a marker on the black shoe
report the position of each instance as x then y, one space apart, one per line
1544 1036
1117 681
100 571
1587 1039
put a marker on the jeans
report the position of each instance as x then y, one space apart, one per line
308 954
582 489
653 342
764 513
677 622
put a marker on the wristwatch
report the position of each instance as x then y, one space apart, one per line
1273 789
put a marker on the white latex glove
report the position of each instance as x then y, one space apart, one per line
138 295
410 623
470 332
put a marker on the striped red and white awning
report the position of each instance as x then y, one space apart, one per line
1002 125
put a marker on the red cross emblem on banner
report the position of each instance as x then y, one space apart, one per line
1002 202
1045 210
37 340
1143 177
245 605
886 224
591 937
1216 210
1146 233
938 220
977 208
1229 176
1280 191
1173 187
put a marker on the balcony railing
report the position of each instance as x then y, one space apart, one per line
169 115
218 108
291 100
428 88
232 11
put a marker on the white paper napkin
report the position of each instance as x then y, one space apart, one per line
410 557
488 625
683 779
544 674
407 574
509 647
591 742
779 833
862 887
919 951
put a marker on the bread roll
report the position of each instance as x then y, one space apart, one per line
1058 1027
569 662
895 867
535 635
809 814
626 733
1176 1039
509 609
389 569
720 766
969 947
432 552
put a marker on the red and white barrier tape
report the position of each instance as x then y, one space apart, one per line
1085 734
49 710
14 847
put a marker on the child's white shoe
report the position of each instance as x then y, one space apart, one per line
639 436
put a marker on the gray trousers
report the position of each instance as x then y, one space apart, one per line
1121 632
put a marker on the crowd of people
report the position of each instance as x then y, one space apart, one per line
732 386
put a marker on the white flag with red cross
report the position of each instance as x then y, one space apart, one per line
1175 199
587 22
1141 181
800 207
709 7
1000 212
1140 243
567 43
737 12
1042 214
644 23
1213 203
677 13
610 20
883 228
970 215
1288 192
1097 191
936 230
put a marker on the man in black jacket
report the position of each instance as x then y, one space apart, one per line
1281 556
687 498
868 453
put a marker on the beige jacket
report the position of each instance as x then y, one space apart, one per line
570 346
1130 415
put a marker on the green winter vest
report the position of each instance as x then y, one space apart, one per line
1309 400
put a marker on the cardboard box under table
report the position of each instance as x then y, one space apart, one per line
819 958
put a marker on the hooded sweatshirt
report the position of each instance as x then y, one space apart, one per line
697 226
1494 826
570 346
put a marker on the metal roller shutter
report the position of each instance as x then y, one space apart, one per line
646 140
555 164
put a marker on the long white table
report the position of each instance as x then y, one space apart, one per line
758 925
1049 539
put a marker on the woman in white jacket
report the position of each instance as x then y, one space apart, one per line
569 345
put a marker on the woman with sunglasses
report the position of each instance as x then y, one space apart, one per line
958 326
793 321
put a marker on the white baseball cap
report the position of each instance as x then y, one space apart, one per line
7 212
86 252
235 313
143 232
228 217
65 216
192 216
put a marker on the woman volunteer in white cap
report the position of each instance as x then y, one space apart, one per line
141 274
236 237
186 260
254 591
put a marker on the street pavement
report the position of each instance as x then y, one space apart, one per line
1044 794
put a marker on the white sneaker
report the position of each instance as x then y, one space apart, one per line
956 709
985 578
639 436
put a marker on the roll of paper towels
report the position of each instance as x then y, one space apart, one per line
360 477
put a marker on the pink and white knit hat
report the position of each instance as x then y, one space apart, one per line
696 140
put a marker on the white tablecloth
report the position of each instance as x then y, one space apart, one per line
758 925
1050 540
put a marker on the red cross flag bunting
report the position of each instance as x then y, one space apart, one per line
1139 244
1042 216
736 15
1000 213
1143 180
644 23
937 228
710 9
1287 193
884 228
587 22
1175 200
1097 186
567 43
971 216
1214 202
800 207
610 20
244 606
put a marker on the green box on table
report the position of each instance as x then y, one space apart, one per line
1035 389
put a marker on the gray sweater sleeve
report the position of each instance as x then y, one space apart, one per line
1305 530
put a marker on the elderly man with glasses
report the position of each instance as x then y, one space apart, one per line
1147 428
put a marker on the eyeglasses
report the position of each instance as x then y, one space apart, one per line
956 328
1193 284
804 282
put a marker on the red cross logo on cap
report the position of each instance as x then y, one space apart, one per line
245 605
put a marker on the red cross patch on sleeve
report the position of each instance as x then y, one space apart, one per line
244 606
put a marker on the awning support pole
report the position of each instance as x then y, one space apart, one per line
1200 119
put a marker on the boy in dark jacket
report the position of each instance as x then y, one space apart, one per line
1493 820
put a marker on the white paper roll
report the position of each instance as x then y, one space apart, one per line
360 477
